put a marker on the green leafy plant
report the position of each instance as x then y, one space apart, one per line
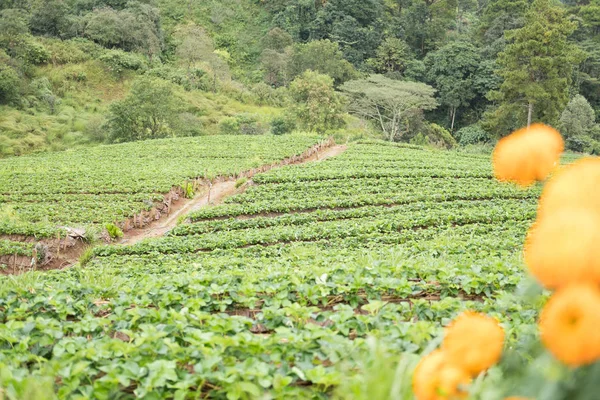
114 231
240 182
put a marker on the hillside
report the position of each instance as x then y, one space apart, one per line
82 72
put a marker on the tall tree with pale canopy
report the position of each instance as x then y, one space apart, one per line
389 103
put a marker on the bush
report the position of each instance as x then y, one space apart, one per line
41 88
150 111
317 106
118 61
242 124
440 137
240 182
65 51
419 139
581 144
229 126
189 80
472 134
9 85
34 53
187 124
282 125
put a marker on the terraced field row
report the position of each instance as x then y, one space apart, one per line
276 292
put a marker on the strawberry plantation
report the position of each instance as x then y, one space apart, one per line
279 292
46 195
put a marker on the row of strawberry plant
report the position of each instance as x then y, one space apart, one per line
308 203
442 210
423 187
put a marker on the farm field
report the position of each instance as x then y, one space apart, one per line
43 195
275 293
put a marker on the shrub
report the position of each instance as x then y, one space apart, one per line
188 190
581 144
187 124
34 53
189 80
282 125
242 124
65 51
472 134
118 61
419 139
317 106
149 112
9 85
229 126
440 137
95 129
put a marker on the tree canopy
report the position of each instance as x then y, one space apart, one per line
389 103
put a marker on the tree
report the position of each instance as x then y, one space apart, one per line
196 46
323 56
389 103
578 118
316 104
355 24
391 56
275 66
49 17
537 66
14 29
426 23
136 28
277 39
498 17
148 112
10 83
590 15
275 56
452 71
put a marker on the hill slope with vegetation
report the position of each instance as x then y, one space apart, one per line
77 72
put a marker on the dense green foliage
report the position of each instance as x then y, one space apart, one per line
493 64
280 289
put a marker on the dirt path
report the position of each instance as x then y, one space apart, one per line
215 195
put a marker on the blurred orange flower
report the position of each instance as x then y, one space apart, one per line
435 379
473 342
564 248
527 155
570 322
577 186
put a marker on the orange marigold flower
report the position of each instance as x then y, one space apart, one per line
527 155
577 186
435 379
563 248
473 342
569 324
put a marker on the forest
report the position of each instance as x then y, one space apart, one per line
444 73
